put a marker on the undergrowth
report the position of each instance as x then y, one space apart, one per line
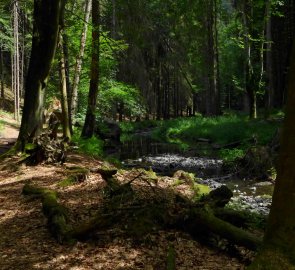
131 127
92 147
221 130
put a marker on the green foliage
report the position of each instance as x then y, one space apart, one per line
131 127
92 147
221 130
229 155
115 96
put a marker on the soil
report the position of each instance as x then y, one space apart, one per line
26 243
9 132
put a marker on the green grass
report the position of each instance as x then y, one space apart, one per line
92 147
221 130
131 127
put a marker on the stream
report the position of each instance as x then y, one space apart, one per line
141 151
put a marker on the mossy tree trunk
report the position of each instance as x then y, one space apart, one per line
89 125
45 34
279 248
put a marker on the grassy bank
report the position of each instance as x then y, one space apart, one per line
221 131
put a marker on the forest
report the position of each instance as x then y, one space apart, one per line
155 135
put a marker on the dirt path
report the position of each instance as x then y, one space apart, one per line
8 132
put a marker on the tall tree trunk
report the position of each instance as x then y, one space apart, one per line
64 92
16 61
249 73
212 82
65 76
114 21
45 34
78 66
269 93
89 125
2 73
279 248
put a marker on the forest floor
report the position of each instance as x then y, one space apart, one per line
8 131
25 242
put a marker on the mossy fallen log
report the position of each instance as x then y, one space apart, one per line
57 218
201 221
138 217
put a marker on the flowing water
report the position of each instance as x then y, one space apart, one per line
142 151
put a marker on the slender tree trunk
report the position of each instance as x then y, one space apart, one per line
212 81
78 66
269 95
249 73
2 73
89 125
64 92
45 34
279 248
114 21
65 76
16 61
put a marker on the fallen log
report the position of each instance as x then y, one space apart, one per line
202 221
138 217
57 218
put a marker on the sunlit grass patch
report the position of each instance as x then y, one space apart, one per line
92 147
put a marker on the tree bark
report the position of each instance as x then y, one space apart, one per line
269 96
249 72
78 66
2 73
89 125
279 248
45 35
212 81
16 61
64 92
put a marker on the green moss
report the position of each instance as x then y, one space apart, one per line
30 146
76 175
178 182
186 177
200 190
69 181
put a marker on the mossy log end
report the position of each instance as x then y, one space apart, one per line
107 174
56 214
